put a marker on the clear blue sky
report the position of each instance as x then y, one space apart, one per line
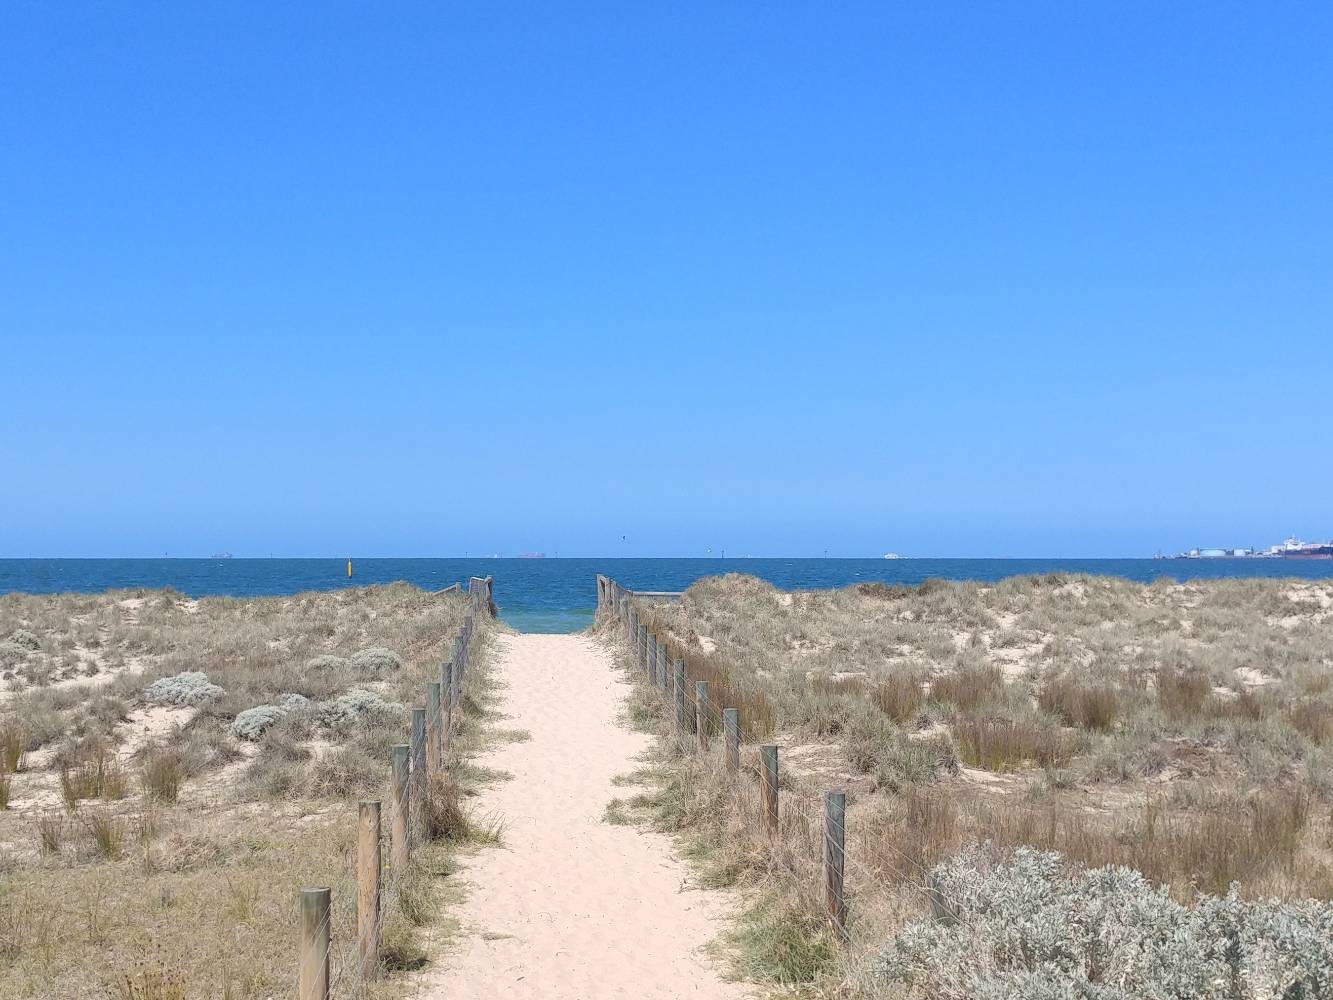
426 279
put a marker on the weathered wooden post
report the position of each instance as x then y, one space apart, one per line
368 887
701 715
768 787
398 848
433 720
731 733
313 983
446 707
835 842
417 763
681 723
650 660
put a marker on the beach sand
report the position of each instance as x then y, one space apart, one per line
571 906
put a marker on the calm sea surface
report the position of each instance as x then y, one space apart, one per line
559 595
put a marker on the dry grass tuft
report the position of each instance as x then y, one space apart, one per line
162 775
1087 706
13 742
98 776
151 982
1000 745
968 688
1181 694
899 696
50 832
105 831
442 814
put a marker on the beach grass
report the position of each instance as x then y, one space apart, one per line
182 768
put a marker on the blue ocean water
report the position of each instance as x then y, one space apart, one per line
559 595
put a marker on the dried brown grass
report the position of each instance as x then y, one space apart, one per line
1000 744
1080 703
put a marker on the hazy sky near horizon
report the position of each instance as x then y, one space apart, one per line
599 279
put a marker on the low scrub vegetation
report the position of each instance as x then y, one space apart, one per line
179 768
1177 734
1029 925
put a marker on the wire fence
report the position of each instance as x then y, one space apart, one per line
804 830
328 966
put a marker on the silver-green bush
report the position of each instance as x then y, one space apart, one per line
1032 927
12 652
353 705
377 659
326 662
254 722
22 637
192 687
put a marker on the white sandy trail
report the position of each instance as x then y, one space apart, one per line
573 907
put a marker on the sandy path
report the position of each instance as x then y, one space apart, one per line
570 906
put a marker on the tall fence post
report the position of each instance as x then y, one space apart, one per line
447 705
433 726
418 760
650 660
313 982
835 843
731 733
681 724
398 849
368 887
701 715
768 786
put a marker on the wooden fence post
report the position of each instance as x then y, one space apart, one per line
398 849
663 659
433 720
701 715
368 887
315 941
731 732
650 660
768 786
456 696
681 725
418 760
835 843
447 706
